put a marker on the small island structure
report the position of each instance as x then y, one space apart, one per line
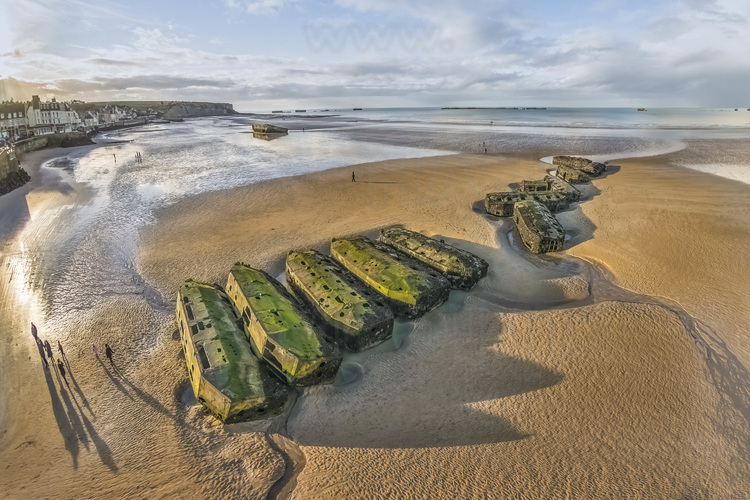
351 313
278 330
410 288
539 229
227 379
463 269
268 132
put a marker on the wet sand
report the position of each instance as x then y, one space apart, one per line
617 368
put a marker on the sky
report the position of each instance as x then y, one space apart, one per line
263 55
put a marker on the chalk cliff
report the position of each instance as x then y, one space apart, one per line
180 110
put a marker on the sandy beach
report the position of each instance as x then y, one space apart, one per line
617 368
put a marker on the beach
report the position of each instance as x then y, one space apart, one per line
616 368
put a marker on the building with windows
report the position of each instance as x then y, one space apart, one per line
13 123
50 117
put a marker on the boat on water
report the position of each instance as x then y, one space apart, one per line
352 314
227 379
278 330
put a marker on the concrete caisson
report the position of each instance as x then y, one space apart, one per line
539 229
227 379
278 330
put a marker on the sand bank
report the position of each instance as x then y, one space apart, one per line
546 380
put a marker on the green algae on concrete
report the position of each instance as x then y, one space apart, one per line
561 186
278 329
411 288
536 186
585 165
227 379
463 269
352 314
539 229
572 175
501 204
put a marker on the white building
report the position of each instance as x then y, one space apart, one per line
13 123
51 117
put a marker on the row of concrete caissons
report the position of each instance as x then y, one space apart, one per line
532 206
245 342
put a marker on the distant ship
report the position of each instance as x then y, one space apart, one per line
356 109
642 109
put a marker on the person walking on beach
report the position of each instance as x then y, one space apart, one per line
48 348
108 353
40 346
353 179
115 157
61 367
59 346
33 331
95 349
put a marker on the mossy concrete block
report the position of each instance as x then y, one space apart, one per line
572 175
227 378
562 186
501 204
279 330
350 313
411 288
463 269
539 229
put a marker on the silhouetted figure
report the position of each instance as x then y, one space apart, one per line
48 348
40 346
115 156
59 347
33 331
95 350
485 150
353 179
108 353
61 367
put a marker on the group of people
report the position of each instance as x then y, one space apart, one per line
45 351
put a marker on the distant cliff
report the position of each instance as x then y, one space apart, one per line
180 110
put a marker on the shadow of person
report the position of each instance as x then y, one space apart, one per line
63 423
78 389
144 396
113 379
75 421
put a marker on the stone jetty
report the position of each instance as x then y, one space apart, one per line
539 229
463 269
409 287
279 331
227 378
355 316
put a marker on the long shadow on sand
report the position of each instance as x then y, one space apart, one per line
140 393
447 387
61 416
79 424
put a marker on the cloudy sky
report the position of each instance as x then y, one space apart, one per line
269 54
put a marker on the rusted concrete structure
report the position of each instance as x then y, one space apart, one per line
572 175
267 128
352 314
585 165
501 204
539 229
227 379
410 288
463 269
561 186
278 330
540 186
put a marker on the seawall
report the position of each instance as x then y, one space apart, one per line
12 176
